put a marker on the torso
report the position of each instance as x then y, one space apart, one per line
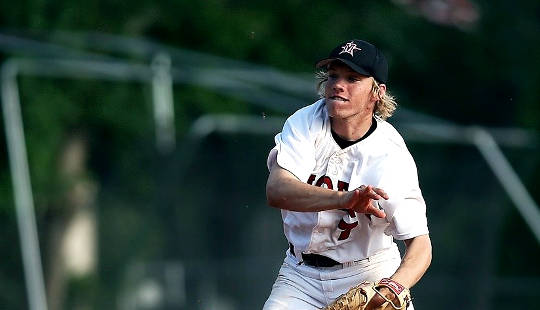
342 234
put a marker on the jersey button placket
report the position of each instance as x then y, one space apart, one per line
330 168
338 164
332 165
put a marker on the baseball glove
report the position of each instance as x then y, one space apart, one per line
359 296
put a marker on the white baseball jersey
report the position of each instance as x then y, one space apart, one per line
307 149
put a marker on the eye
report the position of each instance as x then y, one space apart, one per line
353 79
332 76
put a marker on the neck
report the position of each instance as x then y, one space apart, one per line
351 129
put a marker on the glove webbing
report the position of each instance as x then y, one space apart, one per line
356 298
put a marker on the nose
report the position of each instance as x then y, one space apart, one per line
337 84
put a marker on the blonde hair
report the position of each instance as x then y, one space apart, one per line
384 107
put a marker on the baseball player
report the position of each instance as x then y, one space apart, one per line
347 187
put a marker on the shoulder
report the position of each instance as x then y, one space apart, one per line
311 117
398 169
393 145
389 136
312 112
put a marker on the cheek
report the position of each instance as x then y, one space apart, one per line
327 88
362 101
363 94
361 90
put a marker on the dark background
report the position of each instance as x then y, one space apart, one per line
201 208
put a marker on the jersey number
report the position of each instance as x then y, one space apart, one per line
342 186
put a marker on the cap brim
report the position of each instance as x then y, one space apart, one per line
325 62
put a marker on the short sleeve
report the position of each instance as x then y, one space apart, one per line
406 208
295 144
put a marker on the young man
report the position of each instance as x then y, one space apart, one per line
347 187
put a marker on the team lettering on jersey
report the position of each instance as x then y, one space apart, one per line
341 186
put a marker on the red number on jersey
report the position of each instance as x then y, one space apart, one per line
341 186
346 227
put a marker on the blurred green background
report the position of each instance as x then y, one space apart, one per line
128 222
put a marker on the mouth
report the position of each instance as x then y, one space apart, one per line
337 98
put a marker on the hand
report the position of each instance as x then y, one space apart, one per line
361 200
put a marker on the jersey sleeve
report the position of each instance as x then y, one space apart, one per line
295 144
406 208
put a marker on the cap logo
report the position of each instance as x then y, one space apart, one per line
349 48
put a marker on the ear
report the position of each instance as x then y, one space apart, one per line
382 91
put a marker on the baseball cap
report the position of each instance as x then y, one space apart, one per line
363 57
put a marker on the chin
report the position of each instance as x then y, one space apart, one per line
331 111
334 109
337 114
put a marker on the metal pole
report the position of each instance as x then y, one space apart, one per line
162 91
24 201
508 178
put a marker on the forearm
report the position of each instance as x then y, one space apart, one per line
415 262
285 191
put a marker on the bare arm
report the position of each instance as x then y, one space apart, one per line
415 262
413 266
285 191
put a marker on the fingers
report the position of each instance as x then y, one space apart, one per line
375 302
362 200
374 193
376 212
381 193
384 294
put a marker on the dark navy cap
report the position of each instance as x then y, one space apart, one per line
363 57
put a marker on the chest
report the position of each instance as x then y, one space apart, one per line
346 169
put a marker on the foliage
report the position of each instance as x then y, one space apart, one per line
485 75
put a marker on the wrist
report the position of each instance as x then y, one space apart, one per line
342 199
392 285
394 293
401 279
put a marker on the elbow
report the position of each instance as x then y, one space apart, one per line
428 260
272 195
278 188
276 194
429 252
